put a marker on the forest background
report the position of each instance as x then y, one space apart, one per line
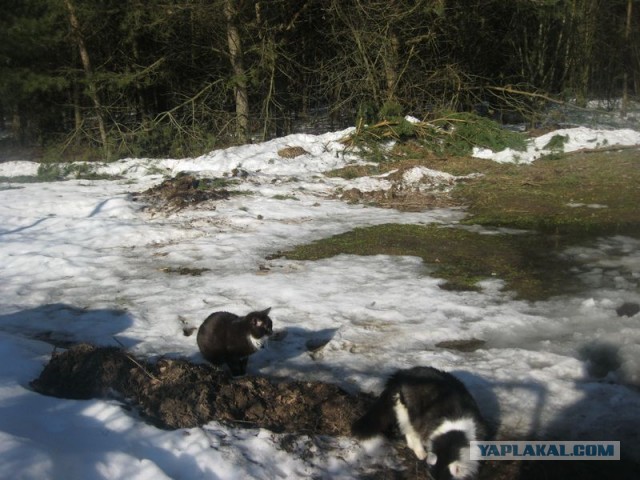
114 78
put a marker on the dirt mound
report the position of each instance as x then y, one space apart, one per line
175 394
184 190
179 394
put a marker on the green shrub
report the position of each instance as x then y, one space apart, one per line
391 110
454 134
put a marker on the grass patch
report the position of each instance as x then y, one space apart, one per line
562 200
584 194
53 172
284 197
557 143
587 193
194 272
525 262
19 179
351 172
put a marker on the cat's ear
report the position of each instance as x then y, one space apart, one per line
432 459
266 312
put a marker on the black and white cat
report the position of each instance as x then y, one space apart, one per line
437 416
228 338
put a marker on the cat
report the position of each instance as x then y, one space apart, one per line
436 414
226 338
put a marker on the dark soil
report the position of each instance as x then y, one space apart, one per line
174 394
183 191
180 394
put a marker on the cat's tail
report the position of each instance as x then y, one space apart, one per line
379 419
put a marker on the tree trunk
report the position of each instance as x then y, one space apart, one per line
391 60
86 65
627 61
77 114
585 17
239 73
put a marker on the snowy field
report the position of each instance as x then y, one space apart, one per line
81 261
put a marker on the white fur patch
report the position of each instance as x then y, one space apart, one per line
414 442
258 343
464 424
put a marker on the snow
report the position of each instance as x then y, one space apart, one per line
416 178
575 139
81 261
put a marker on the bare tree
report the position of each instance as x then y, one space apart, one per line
628 63
236 56
88 71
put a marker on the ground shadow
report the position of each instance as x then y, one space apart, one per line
484 395
605 411
58 431
63 325
602 360
26 227
582 414
291 342
609 406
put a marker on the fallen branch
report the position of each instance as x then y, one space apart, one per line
144 370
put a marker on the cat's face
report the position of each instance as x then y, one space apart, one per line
261 324
449 457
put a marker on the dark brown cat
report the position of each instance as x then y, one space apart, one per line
227 338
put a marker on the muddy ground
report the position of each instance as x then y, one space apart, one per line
175 393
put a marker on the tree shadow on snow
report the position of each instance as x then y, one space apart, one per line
605 411
63 325
55 434
608 410
82 439
292 342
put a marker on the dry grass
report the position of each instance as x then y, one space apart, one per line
580 193
584 193
292 152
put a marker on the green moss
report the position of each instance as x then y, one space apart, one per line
527 263
557 143
216 183
19 179
284 197
55 171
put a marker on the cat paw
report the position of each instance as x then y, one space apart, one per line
415 444
420 453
